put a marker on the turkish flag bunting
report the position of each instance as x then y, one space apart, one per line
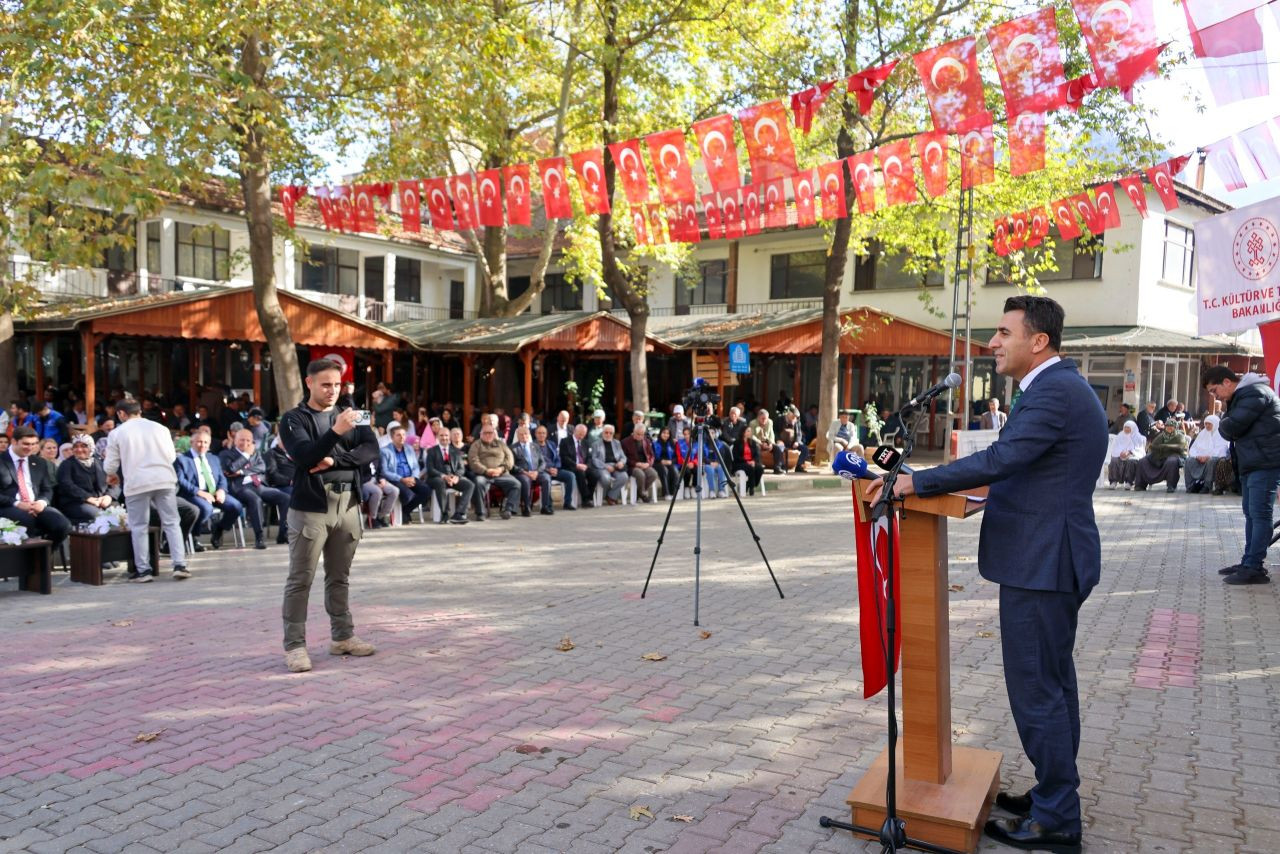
640 225
1217 36
953 85
344 207
864 84
289 195
555 189
1119 34
328 212
773 196
1105 200
682 222
1017 231
1077 88
436 192
629 168
831 180
657 228
464 201
731 214
1222 158
764 127
1026 144
977 158
805 104
715 225
410 206
1038 225
1260 149
365 219
899 174
1029 60
719 152
671 166
516 180
1088 212
751 208
932 148
806 214
489 197
1161 177
1000 237
1064 214
1136 192
863 172
589 167
872 537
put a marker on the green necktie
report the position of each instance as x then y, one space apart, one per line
1017 393
206 474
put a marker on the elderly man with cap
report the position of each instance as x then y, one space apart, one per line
678 422
597 425
82 492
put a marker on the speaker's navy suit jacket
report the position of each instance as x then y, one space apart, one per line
1038 529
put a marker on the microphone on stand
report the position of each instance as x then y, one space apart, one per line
886 456
851 466
953 380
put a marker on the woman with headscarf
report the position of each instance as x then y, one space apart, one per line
1128 446
1207 453
82 484
1166 453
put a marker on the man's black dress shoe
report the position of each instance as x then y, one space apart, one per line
1017 804
1026 833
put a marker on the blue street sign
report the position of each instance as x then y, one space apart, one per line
740 358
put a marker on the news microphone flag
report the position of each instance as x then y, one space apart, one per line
873 560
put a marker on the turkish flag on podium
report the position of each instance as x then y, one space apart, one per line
873 585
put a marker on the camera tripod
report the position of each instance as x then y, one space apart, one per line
701 438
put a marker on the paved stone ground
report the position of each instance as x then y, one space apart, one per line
752 732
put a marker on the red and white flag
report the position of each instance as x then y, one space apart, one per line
873 596
932 148
1017 231
1260 150
719 152
344 207
682 222
1088 212
711 208
769 148
806 103
1029 59
899 174
362 206
773 198
1038 223
410 206
629 169
1137 193
731 214
953 86
1234 58
1079 87
640 225
289 195
1120 36
831 181
671 167
328 212
863 85
977 158
751 208
657 225
519 194
1064 214
555 188
863 172
806 212
1223 27
1105 200
589 167
489 197
1161 177
436 192
1026 144
1000 236
1222 157
464 201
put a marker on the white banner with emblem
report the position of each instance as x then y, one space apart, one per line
1238 268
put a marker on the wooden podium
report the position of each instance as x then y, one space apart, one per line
943 792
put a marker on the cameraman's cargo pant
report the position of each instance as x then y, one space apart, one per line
332 535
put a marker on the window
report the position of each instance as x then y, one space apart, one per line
797 275
560 293
330 271
204 252
1076 259
374 271
1179 255
707 287
409 279
517 285
456 297
881 271
153 248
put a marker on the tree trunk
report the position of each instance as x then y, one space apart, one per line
9 360
493 296
838 256
255 181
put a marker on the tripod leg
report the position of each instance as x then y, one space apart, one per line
670 506
716 448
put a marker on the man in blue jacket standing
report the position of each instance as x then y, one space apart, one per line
1040 543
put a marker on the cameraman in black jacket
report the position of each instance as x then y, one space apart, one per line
1252 424
328 447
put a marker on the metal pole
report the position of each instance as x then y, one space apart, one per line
968 309
955 294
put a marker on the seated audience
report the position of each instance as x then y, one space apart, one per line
666 462
49 453
490 461
791 435
82 491
610 465
575 455
400 467
762 431
246 473
1127 448
1163 462
551 457
377 494
678 422
732 426
446 469
529 468
280 467
746 458
26 489
993 418
561 430
638 448
1208 463
202 482
842 434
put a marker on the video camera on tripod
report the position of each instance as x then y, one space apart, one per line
700 401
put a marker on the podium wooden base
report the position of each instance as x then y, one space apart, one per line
949 814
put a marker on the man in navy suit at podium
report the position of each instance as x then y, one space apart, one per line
1040 543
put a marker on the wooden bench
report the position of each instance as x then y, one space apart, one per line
90 551
31 563
766 459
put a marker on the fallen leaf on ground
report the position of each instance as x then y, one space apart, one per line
640 812
565 644
956 588
147 736
654 656
986 634
122 624
685 818
704 634
528 748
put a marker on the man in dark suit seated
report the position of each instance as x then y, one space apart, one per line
575 456
1040 543
447 469
26 490
246 473
551 457
529 469
201 481
82 491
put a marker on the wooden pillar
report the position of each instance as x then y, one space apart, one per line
865 385
386 366
38 346
468 380
764 383
89 344
797 387
526 358
731 279
620 373
257 373
721 370
543 403
848 381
